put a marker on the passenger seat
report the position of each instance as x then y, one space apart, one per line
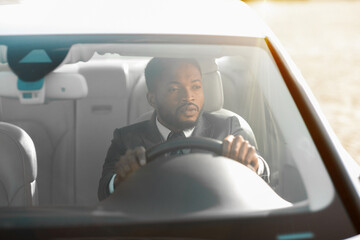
52 128
97 116
18 167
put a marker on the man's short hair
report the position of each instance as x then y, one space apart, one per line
156 67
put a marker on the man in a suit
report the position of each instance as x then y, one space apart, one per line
175 92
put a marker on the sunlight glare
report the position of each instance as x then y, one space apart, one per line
265 8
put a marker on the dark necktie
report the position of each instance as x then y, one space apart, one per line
176 135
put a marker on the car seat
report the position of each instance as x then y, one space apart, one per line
51 125
18 167
245 97
97 115
140 110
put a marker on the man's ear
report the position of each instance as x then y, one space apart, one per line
151 99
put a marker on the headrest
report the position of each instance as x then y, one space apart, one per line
105 79
55 86
212 85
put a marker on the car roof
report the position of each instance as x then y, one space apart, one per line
184 17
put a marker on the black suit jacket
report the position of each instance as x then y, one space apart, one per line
146 134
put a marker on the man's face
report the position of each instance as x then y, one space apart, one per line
179 97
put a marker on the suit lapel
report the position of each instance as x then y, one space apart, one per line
151 136
203 128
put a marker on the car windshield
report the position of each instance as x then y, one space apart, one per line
73 132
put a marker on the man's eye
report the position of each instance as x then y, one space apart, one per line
173 89
196 87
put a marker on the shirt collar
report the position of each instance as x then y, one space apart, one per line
164 131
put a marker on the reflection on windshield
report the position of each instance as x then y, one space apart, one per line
224 127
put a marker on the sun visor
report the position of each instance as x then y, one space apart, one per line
54 86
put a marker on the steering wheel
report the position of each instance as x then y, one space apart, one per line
202 143
191 186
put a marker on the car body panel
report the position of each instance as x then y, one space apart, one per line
190 26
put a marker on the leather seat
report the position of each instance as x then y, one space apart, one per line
18 167
51 126
97 115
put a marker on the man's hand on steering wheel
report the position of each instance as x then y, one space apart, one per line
234 147
128 163
237 148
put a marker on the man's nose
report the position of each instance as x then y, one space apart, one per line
187 95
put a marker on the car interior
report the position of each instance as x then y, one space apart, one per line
96 91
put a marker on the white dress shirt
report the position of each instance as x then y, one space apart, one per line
164 131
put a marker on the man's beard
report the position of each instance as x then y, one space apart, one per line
173 120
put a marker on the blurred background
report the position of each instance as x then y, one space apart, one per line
323 39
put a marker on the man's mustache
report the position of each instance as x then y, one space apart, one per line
187 105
